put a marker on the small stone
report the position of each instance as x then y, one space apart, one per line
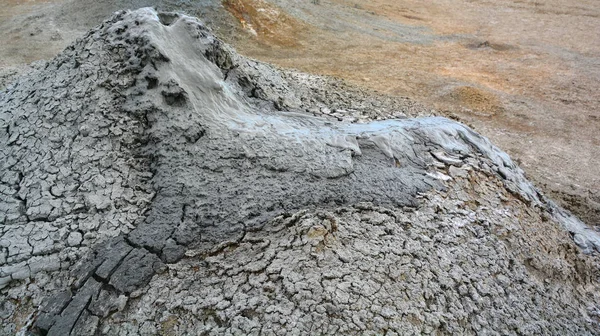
84 130
74 238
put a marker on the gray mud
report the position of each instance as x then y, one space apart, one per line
154 181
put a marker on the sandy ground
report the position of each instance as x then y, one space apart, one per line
526 74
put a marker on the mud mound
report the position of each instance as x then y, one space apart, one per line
155 182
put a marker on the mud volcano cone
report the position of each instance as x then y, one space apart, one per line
156 182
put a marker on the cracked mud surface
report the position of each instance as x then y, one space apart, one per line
444 268
156 182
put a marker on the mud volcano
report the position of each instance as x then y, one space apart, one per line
155 182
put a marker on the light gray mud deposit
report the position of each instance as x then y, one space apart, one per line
155 182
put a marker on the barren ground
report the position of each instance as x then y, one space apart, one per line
526 74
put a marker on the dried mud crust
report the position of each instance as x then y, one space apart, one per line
461 263
72 173
149 144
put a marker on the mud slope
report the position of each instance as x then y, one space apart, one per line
156 182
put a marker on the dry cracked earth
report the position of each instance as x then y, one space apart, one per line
154 181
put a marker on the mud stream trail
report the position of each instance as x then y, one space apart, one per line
526 74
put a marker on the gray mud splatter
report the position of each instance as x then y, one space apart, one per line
151 174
